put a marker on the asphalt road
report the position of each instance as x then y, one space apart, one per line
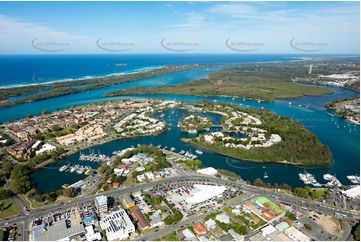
315 206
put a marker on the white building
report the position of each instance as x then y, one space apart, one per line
149 175
101 204
141 178
353 192
140 169
223 218
210 224
91 235
189 235
296 235
208 171
205 192
45 149
118 171
117 225
268 230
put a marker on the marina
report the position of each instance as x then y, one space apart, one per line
75 168
309 179
354 179
94 157
333 181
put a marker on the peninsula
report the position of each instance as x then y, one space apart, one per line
262 136
266 82
42 91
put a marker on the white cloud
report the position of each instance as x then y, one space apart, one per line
192 21
17 35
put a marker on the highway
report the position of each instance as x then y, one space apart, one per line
23 220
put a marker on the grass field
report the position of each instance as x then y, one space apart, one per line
10 208
270 205
170 237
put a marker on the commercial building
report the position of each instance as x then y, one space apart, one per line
117 225
353 192
91 235
208 171
58 231
204 193
101 205
296 235
128 201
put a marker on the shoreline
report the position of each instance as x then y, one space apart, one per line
83 78
238 158
143 69
104 141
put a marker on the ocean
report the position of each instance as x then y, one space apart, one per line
36 69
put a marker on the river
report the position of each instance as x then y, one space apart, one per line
343 141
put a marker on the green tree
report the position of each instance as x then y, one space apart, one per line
20 179
70 192
356 233
309 227
5 194
290 215
2 205
258 182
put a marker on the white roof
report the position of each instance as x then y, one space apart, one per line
205 192
189 234
353 192
296 234
223 218
37 143
208 171
210 223
268 230
101 200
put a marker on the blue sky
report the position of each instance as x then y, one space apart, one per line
164 27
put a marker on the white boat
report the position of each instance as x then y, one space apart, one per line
199 152
354 179
74 168
80 170
192 131
265 175
333 181
308 178
328 177
63 168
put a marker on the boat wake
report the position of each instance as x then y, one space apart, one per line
238 167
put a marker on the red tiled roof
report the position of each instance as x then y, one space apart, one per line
141 220
122 166
199 228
